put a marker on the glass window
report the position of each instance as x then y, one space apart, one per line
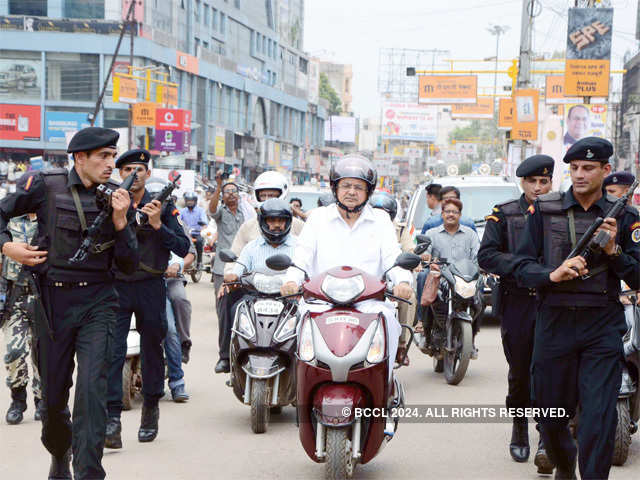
31 7
72 76
214 18
20 74
236 3
198 11
264 44
223 23
207 19
83 8
116 118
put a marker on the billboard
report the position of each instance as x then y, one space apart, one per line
340 129
173 119
20 78
447 89
144 114
588 52
125 90
409 121
46 24
582 120
172 141
525 118
554 91
187 62
57 124
505 113
482 109
19 122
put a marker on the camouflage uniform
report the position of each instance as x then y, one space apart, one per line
19 323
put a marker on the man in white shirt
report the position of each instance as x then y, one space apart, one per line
350 232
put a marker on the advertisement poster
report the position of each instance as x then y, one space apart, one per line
588 52
19 122
125 90
554 91
482 109
57 124
173 119
172 141
20 78
447 89
409 121
583 121
144 114
505 113
340 129
525 120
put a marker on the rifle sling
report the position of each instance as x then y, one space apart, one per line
95 248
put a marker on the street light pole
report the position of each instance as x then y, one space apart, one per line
496 30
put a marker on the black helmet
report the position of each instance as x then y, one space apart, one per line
353 166
326 199
274 207
384 201
154 185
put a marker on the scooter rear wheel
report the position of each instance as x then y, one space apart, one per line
456 362
623 433
339 458
260 410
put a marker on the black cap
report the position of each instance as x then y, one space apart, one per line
594 149
137 155
91 138
619 178
536 165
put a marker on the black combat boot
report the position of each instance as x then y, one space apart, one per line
37 416
60 467
542 460
149 423
519 446
18 405
112 438
562 474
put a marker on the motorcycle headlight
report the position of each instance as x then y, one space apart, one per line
465 289
244 325
268 284
306 351
343 290
287 329
376 349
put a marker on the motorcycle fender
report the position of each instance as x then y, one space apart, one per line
334 404
262 366
464 316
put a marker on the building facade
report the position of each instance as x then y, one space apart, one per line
340 77
238 64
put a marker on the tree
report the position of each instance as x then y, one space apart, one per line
326 91
483 132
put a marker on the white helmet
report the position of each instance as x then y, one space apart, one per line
271 181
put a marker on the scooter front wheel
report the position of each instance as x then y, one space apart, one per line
623 433
438 365
196 275
339 459
457 361
260 411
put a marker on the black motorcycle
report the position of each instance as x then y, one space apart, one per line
263 345
459 303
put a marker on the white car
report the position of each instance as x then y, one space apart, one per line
309 195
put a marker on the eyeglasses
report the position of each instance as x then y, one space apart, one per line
231 191
350 186
451 212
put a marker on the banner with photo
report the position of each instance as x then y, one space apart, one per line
20 78
584 120
409 121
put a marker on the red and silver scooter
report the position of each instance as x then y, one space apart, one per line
342 366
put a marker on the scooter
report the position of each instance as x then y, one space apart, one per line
263 342
628 405
458 305
200 265
132 370
342 365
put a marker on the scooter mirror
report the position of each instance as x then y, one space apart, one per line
407 261
423 239
279 262
227 256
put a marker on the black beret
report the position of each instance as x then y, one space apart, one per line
619 178
536 165
137 155
590 148
91 138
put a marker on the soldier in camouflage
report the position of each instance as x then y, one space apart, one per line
17 319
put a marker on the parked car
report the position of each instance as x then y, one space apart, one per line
309 195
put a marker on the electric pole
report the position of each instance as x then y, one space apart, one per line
524 64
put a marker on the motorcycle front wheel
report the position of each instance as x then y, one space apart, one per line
623 433
456 361
196 275
259 406
339 461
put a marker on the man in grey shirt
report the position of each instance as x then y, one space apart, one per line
451 240
228 218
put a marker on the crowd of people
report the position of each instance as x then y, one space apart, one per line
561 317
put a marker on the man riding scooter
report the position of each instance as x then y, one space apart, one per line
194 218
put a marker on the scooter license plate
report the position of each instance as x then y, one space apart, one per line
268 307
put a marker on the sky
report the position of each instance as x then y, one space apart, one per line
353 31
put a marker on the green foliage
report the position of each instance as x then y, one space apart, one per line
327 92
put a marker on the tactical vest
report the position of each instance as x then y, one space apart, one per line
515 222
558 243
63 233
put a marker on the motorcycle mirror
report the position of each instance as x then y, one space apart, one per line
279 262
227 256
407 261
423 239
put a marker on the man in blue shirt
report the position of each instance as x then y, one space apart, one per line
194 218
435 220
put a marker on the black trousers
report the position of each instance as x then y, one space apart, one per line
577 358
517 323
226 310
147 299
82 321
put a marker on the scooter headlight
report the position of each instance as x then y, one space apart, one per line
465 289
287 329
376 349
244 325
306 351
343 290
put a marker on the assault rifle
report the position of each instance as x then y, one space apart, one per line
141 217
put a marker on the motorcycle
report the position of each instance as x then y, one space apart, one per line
628 405
263 341
458 305
342 365
204 264
132 370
